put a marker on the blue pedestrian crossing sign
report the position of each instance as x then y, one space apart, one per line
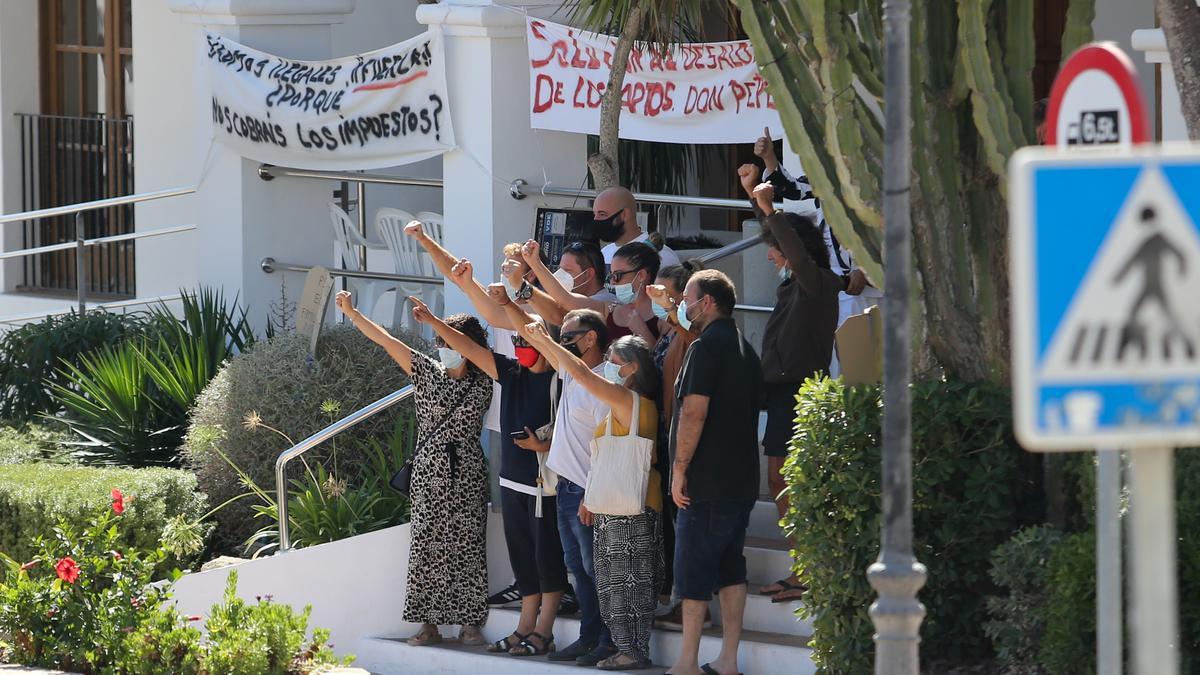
1105 269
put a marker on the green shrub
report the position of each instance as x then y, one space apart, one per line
285 387
35 497
967 499
86 602
29 444
1019 618
31 357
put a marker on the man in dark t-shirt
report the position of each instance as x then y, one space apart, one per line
714 477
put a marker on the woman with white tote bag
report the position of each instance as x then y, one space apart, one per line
623 497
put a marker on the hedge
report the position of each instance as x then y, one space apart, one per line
33 497
971 491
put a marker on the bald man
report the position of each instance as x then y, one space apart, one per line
615 211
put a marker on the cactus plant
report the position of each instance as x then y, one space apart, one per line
972 107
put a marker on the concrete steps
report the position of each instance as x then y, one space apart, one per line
760 653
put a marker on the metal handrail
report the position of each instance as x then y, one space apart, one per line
316 439
520 189
98 204
94 242
730 249
270 172
119 304
270 265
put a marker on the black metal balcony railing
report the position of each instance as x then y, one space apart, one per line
68 160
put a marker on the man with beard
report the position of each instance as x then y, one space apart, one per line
615 211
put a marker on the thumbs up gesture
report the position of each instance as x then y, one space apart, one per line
764 148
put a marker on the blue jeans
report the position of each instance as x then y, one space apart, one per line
577 554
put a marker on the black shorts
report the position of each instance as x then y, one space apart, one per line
709 542
781 418
534 549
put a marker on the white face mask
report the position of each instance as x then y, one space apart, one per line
450 358
564 277
612 373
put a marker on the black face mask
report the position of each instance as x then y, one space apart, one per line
608 229
574 349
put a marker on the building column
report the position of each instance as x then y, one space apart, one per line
487 73
241 219
1152 42
19 93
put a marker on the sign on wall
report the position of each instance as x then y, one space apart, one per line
699 93
383 108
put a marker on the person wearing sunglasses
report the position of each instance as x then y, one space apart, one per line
628 548
634 266
449 488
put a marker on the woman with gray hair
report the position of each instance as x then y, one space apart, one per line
628 549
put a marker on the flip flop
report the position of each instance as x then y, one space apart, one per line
707 669
784 585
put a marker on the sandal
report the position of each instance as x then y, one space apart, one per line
527 648
783 586
621 661
471 636
425 637
790 593
506 644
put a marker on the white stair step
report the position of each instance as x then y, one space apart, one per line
760 653
769 617
767 559
764 520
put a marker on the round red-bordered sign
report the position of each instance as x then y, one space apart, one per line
1097 88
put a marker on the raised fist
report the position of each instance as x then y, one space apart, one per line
534 331
764 194
413 229
461 273
343 302
748 175
659 296
764 148
531 252
497 293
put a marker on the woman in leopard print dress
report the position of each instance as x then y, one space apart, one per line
447 563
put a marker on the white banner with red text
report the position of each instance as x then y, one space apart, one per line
379 109
707 92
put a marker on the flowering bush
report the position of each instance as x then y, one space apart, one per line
83 604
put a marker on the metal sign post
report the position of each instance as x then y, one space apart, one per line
1106 337
1095 101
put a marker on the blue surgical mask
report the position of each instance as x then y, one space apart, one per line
681 315
785 273
450 358
612 373
625 293
658 310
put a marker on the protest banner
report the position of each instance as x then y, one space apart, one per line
383 108
696 93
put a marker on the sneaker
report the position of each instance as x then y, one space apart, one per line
575 650
673 620
509 597
568 605
596 655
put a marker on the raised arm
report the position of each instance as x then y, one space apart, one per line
474 352
565 298
613 395
400 352
515 315
762 201
461 274
442 259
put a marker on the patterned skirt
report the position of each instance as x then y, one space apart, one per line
629 571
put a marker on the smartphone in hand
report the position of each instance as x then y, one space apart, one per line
519 435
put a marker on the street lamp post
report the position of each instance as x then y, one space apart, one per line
897 576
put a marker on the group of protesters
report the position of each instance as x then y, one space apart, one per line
621 345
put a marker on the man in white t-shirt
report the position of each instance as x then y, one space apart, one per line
579 413
615 211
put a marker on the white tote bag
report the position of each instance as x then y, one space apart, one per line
616 484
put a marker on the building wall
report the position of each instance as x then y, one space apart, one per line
1116 20
18 93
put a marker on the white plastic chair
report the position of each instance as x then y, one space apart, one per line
347 240
411 260
433 226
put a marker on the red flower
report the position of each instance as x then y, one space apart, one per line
29 565
67 570
118 502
